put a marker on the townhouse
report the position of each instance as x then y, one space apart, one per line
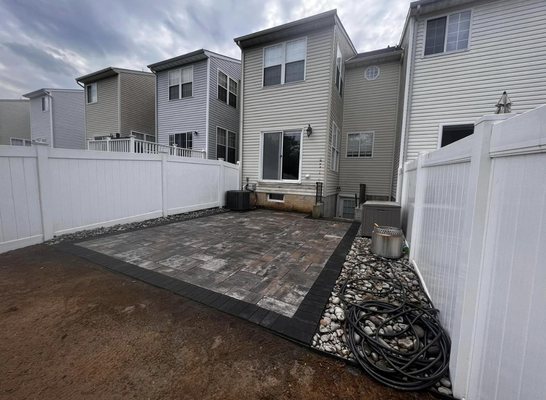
14 122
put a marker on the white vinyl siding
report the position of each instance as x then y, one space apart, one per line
284 62
102 117
507 52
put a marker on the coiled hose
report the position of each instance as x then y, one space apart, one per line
394 332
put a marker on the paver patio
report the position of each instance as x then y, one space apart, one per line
269 260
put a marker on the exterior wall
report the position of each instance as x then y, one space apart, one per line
370 106
102 117
14 120
68 119
220 113
137 103
186 114
332 181
506 52
292 202
40 121
290 106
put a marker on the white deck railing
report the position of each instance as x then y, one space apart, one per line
132 145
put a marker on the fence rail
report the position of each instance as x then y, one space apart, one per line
132 145
475 218
46 191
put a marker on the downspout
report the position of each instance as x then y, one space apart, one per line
207 112
407 101
393 172
241 115
51 118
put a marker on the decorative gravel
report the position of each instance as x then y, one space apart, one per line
92 233
357 283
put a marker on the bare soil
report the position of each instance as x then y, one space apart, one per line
71 330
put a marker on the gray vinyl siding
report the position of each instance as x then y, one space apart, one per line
102 117
137 103
370 106
68 120
40 121
14 120
336 113
186 114
290 106
507 51
220 113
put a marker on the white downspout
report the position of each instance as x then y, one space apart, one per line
48 94
241 116
207 112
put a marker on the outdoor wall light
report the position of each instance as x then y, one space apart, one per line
309 130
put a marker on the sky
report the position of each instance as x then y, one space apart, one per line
47 44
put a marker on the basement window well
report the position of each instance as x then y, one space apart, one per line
278 197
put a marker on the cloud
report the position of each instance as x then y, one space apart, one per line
49 43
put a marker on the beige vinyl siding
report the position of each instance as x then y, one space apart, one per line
370 106
290 106
137 103
102 117
14 120
336 111
220 113
507 51
40 121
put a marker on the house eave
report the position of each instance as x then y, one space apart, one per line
107 73
178 61
389 54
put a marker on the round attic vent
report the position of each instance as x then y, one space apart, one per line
372 73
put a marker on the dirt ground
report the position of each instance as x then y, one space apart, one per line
71 330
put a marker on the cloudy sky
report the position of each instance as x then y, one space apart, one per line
48 43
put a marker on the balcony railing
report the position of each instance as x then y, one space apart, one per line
132 145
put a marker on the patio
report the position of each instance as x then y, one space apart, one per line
275 269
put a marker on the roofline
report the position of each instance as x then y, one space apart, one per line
109 71
222 56
43 91
387 54
180 60
338 21
25 100
292 24
177 58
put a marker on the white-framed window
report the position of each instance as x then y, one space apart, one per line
227 89
281 155
91 93
275 197
226 145
20 142
448 33
450 133
181 83
44 103
372 73
360 144
285 62
335 139
182 140
340 71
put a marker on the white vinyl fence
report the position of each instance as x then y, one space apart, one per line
475 218
46 191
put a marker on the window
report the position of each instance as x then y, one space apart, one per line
227 89
360 144
91 93
226 145
180 83
340 71
348 208
281 155
285 62
20 142
458 32
183 140
452 133
278 197
372 73
45 103
334 147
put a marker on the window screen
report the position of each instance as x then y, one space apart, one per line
458 31
436 30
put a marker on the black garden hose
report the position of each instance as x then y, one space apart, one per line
394 334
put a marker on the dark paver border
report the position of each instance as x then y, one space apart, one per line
300 327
